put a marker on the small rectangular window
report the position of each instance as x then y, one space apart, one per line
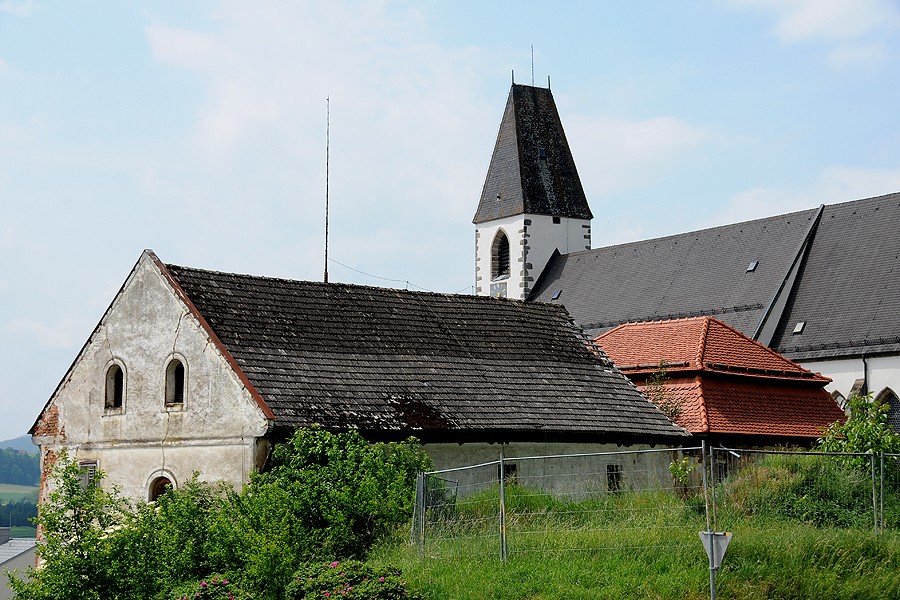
88 472
613 478
509 472
556 220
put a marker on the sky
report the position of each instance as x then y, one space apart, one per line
198 130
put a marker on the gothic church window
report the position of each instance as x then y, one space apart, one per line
175 383
887 396
115 387
500 256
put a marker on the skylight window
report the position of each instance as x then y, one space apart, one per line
798 328
752 266
556 295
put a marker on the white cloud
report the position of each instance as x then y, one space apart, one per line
64 333
12 7
404 110
855 28
836 184
633 153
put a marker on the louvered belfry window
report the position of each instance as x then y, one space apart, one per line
500 256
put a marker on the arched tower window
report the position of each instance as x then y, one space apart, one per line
115 386
158 487
175 382
887 396
500 256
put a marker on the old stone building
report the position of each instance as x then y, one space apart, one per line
192 370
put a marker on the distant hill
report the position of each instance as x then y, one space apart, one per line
22 444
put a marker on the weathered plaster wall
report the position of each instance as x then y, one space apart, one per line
215 431
569 474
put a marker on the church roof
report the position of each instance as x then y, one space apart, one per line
698 273
696 344
724 382
375 359
846 294
832 268
532 170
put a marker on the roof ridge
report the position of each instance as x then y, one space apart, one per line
704 414
768 350
701 348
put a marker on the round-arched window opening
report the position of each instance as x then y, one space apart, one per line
175 382
115 386
500 256
160 486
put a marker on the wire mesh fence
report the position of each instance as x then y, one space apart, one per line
619 501
769 490
632 500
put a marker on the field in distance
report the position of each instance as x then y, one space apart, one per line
13 493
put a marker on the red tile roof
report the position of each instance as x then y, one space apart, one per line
695 344
724 382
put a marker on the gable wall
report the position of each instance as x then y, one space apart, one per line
218 429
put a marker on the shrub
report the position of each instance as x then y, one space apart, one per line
866 431
216 587
350 579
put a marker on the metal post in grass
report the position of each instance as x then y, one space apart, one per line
502 506
881 496
874 491
421 484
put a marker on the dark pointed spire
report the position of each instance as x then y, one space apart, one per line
532 170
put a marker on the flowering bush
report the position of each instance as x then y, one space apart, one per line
214 588
349 579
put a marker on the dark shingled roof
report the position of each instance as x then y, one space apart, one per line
532 169
382 360
845 291
848 290
691 274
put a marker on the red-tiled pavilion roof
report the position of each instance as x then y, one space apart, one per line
724 382
695 344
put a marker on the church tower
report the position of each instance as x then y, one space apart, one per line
532 202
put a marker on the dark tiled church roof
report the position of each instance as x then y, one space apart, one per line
532 170
375 359
848 293
690 274
845 291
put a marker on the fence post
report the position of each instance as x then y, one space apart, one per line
502 506
881 496
421 496
874 491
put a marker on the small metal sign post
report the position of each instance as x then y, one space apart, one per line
715 543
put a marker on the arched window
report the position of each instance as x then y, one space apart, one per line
500 256
115 386
887 396
158 487
175 382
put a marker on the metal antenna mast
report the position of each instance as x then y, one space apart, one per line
532 65
327 156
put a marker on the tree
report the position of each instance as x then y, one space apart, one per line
74 523
867 430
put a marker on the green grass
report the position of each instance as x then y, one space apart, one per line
13 493
23 532
641 545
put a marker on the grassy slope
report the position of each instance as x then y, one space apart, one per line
12 493
799 563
